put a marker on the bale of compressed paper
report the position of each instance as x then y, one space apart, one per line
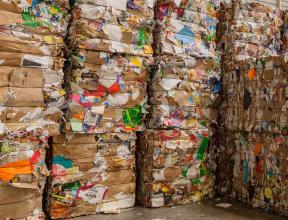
255 95
175 166
112 43
32 55
98 178
249 30
184 93
22 176
109 96
186 28
117 27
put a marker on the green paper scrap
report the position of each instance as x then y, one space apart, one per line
143 37
5 148
76 125
132 116
196 181
202 171
184 171
263 63
211 37
203 146
71 186
204 123
208 171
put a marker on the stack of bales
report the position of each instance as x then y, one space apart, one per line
31 60
175 160
254 112
94 160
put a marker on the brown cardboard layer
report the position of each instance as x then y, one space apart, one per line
33 184
142 8
62 139
99 163
20 46
124 34
183 98
71 151
172 173
21 77
89 57
278 88
29 178
22 209
107 207
16 114
159 136
10 195
257 126
22 97
248 100
73 139
109 72
105 178
175 146
29 60
257 114
112 47
182 85
127 190
53 128
163 161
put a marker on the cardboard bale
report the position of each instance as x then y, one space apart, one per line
22 176
249 30
259 170
99 178
127 29
175 166
110 71
186 28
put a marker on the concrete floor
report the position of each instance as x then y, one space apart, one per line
202 211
